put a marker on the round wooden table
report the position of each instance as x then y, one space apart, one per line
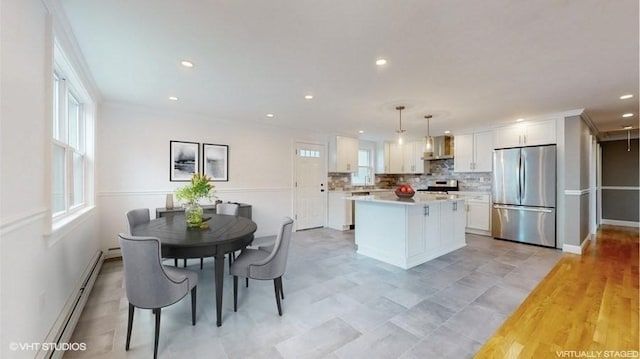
225 234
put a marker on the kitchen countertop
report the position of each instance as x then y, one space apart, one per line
418 199
362 190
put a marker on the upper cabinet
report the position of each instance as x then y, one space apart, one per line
343 154
473 152
525 134
406 158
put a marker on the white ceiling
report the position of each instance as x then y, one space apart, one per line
469 63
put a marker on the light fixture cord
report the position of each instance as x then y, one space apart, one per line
400 110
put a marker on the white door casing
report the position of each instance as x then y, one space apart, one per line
310 185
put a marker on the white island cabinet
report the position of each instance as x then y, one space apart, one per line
407 233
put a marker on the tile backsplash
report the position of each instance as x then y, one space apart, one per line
440 169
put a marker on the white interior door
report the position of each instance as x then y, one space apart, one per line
310 185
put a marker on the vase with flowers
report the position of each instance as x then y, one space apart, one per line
191 194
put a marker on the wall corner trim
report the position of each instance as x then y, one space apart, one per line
570 248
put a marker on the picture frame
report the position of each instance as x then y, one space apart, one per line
184 160
215 162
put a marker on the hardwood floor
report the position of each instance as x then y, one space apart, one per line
586 303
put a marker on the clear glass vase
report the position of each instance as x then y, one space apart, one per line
193 214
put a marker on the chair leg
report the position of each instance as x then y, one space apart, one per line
194 293
281 289
185 263
276 287
201 262
247 282
175 262
235 293
129 325
157 336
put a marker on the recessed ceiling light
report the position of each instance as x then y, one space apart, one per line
186 63
381 62
270 115
173 98
627 115
624 97
361 131
447 132
520 120
627 127
308 97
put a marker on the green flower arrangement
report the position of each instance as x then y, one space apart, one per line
199 188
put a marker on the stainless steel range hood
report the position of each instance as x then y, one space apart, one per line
442 149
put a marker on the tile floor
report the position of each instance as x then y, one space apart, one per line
338 304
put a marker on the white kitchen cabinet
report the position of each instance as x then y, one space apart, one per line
393 158
473 152
406 158
478 208
343 154
525 134
478 216
453 222
339 211
407 234
413 152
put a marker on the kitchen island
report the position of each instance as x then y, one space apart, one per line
408 232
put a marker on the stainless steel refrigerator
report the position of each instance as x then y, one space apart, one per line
524 195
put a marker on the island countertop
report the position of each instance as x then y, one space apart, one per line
418 199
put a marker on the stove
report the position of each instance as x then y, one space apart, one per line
440 186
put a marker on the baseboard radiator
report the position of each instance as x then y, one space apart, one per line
63 328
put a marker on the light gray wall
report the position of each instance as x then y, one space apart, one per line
576 169
620 169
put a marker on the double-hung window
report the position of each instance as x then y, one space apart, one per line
364 176
69 143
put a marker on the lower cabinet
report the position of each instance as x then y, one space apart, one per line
478 208
407 235
339 211
434 227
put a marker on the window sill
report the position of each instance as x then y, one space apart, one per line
61 226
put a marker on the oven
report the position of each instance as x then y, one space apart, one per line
440 186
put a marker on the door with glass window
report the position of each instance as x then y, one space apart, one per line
310 186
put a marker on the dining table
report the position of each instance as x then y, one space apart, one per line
222 234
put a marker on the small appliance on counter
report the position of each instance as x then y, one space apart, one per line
440 186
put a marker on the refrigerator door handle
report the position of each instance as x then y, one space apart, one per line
523 180
520 179
528 209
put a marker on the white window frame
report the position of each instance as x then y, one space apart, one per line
67 84
368 180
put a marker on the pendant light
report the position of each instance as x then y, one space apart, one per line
628 128
400 131
428 139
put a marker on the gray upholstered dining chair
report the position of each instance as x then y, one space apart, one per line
229 209
264 265
151 285
137 216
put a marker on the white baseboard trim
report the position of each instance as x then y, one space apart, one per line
570 248
478 232
616 222
64 326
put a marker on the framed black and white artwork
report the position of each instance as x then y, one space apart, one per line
185 160
215 161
